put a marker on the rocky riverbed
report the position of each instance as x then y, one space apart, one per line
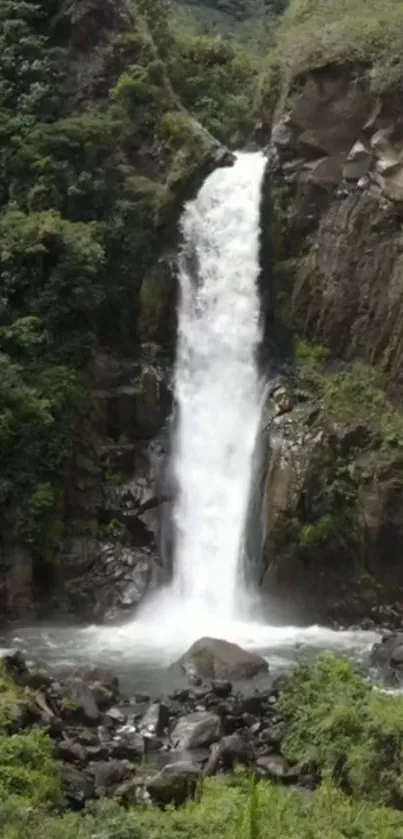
145 749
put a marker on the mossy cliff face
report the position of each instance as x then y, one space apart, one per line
334 491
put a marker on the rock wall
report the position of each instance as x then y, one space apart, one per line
334 483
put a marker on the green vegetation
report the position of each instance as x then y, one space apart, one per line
227 810
94 169
316 32
27 767
336 724
251 22
353 396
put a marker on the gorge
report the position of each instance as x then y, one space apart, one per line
201 419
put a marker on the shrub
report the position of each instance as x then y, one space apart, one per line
317 32
338 725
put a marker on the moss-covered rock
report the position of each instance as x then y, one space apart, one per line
334 481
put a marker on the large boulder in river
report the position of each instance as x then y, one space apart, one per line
213 658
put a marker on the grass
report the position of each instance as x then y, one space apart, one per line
228 810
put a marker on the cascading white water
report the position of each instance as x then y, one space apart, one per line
217 386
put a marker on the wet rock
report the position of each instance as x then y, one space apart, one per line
276 768
78 787
213 658
79 702
99 674
174 784
116 716
128 746
103 697
155 719
388 654
201 728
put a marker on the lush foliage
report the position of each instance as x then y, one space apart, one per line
94 167
27 767
316 32
355 395
234 809
337 724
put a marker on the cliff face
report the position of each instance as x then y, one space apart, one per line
334 492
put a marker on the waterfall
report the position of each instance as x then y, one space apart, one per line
217 481
217 386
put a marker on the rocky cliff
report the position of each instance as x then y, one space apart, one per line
334 490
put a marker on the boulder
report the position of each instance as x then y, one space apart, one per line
128 746
155 719
201 728
174 784
388 654
78 702
77 786
213 658
108 775
276 768
230 750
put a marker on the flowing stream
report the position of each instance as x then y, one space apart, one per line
218 393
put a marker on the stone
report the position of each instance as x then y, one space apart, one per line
36 679
77 786
276 768
221 687
174 784
201 728
388 654
155 719
70 752
131 792
99 675
128 746
79 702
213 658
358 162
116 716
230 750
102 695
108 775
